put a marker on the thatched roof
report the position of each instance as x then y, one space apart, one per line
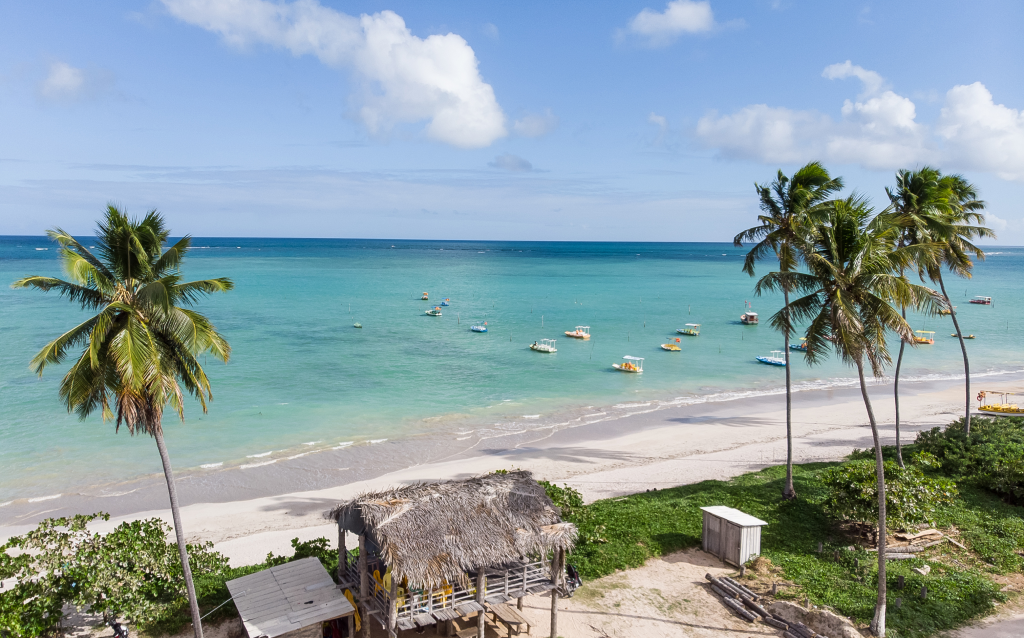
430 533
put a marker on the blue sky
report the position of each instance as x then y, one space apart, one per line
468 120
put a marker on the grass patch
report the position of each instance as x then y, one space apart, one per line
960 589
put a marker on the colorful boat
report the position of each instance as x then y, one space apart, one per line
776 358
581 332
947 311
802 346
671 347
691 330
425 297
436 312
634 365
544 345
482 328
1005 405
965 336
445 302
924 337
983 301
749 318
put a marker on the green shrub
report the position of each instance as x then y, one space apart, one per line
910 496
570 502
992 457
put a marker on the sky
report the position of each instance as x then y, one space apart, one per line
598 121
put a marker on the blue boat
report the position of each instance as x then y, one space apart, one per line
445 302
773 359
482 328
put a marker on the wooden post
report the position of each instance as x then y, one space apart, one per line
342 553
364 587
556 576
393 606
519 601
481 588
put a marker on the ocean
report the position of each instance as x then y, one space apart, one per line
302 379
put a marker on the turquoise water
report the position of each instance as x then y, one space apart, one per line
301 378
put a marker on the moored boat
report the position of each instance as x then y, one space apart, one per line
983 301
749 318
691 330
445 302
425 297
924 337
581 332
671 347
965 336
544 345
1005 404
357 325
634 365
802 346
776 358
947 311
436 312
479 328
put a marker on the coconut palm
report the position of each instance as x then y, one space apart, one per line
943 210
847 296
139 348
788 207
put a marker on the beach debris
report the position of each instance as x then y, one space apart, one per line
956 543
924 571
929 534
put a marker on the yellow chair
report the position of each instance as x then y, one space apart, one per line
352 601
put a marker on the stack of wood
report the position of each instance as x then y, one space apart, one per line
736 597
800 630
907 545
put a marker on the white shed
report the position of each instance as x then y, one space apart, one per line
287 598
730 534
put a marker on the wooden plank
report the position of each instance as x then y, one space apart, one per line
469 607
406 624
424 620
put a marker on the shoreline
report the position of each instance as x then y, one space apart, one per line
640 450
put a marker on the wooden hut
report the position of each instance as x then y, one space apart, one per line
435 552
730 534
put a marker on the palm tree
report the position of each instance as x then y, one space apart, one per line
943 210
788 207
848 292
139 350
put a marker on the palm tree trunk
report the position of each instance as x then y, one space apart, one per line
963 349
788 492
896 396
179 532
878 622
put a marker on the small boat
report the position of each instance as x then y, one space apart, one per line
925 337
445 302
749 318
630 364
671 347
581 332
776 358
357 325
965 336
436 312
544 345
482 328
691 330
947 311
983 301
802 346
425 297
1003 406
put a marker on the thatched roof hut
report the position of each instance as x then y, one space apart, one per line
432 533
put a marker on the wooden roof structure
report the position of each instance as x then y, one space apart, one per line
287 597
432 533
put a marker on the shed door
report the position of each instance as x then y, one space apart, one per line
712 535
731 535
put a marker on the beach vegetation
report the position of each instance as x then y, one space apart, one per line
139 349
944 210
790 207
910 496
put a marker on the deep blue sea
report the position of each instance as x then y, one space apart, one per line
301 378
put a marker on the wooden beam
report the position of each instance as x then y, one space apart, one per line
393 606
364 586
481 592
342 551
556 575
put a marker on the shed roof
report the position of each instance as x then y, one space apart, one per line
431 533
287 597
734 516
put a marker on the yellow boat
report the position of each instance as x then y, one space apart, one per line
965 336
947 311
581 332
671 347
1003 406
630 364
924 337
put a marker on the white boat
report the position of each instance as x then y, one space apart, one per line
630 364
436 312
691 330
982 301
749 318
482 328
776 358
581 332
544 345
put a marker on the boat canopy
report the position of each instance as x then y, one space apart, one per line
693 325
629 358
925 332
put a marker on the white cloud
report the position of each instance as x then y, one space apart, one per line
536 124
658 120
406 78
64 82
982 134
878 130
490 30
679 16
511 163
